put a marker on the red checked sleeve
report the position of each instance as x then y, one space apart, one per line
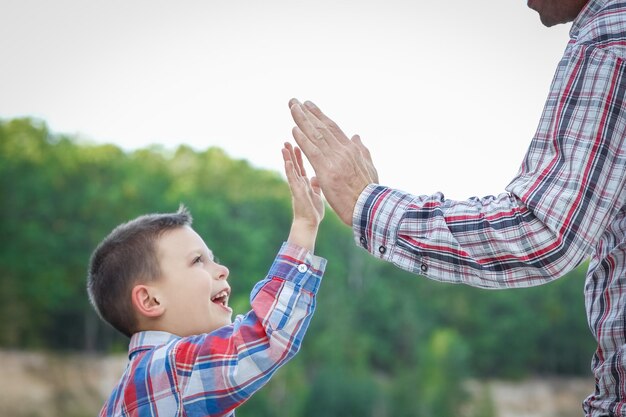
570 188
219 371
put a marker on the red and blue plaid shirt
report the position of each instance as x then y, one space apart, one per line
568 202
211 374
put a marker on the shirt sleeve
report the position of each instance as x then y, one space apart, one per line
219 371
570 186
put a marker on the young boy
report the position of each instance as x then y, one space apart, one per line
155 280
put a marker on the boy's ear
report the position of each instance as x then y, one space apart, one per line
146 301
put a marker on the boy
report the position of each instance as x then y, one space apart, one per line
155 280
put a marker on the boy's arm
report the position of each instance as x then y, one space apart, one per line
217 372
220 371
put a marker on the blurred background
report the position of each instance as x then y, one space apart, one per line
111 110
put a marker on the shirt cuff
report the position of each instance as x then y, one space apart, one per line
376 218
300 266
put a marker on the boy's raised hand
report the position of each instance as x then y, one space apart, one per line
306 196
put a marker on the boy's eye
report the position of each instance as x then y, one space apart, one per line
197 259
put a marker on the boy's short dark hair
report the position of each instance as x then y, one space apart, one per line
127 256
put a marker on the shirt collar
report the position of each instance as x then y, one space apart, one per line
586 14
149 340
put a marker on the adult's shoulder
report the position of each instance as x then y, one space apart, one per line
602 26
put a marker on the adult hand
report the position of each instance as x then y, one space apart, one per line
343 166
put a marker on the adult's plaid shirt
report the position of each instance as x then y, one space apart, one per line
566 204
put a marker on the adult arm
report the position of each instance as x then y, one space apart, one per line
569 188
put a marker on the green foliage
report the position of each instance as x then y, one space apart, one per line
444 359
382 342
337 392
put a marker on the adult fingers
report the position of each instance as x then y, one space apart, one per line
304 119
293 101
327 122
318 118
366 152
315 130
315 185
310 149
327 128
367 156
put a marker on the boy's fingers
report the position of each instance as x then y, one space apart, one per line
291 170
295 171
300 162
288 170
289 166
294 158
286 154
290 154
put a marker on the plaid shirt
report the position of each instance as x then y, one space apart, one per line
567 203
211 374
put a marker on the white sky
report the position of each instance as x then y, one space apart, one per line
446 94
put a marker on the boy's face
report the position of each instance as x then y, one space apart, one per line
193 287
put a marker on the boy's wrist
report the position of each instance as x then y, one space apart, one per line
305 224
303 233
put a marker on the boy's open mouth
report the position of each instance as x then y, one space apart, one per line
221 298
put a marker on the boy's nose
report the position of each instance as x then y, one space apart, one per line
222 272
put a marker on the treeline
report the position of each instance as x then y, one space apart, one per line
383 342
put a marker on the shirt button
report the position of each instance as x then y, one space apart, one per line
302 268
424 267
363 241
382 250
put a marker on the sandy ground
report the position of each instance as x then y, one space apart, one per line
536 397
40 385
